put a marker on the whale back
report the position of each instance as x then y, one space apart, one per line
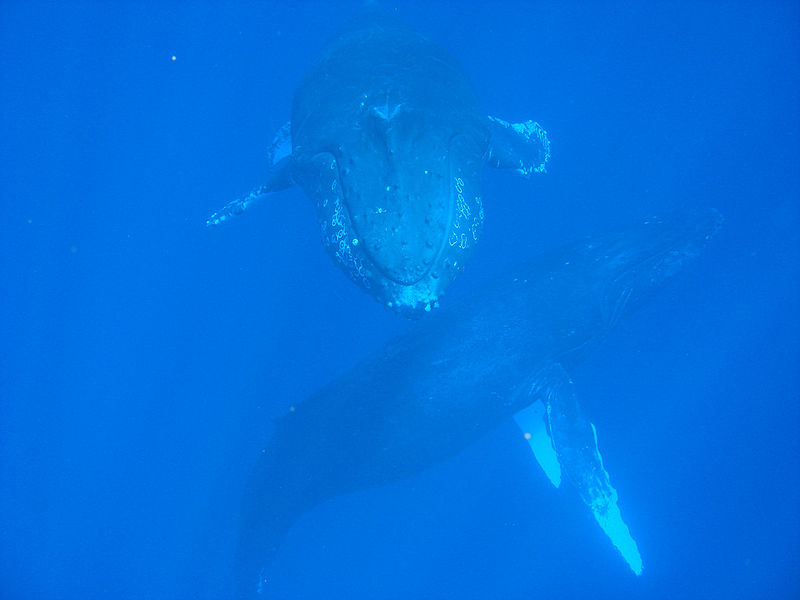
430 392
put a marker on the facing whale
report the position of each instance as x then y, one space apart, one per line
388 141
504 352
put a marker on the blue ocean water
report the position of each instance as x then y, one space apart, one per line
143 356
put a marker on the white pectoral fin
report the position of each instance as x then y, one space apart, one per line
565 442
279 177
602 500
523 147
531 421
281 146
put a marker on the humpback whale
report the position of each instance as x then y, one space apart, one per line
387 140
503 353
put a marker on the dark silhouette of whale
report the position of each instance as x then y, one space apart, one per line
503 352
387 139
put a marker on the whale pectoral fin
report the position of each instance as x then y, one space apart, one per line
523 147
574 441
281 145
279 177
531 421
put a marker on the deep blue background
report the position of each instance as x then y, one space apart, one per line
143 355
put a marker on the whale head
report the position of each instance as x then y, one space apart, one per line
389 143
635 268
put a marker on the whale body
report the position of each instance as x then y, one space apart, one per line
388 141
502 353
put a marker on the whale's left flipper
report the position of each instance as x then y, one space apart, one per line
557 415
523 147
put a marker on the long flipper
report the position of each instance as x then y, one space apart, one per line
279 177
533 423
574 440
523 147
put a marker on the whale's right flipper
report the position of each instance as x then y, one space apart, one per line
573 439
279 177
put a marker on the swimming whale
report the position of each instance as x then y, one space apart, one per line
388 141
504 352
